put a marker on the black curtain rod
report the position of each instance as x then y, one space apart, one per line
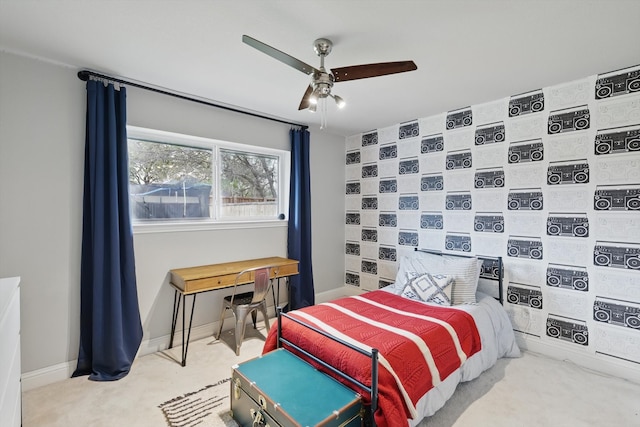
85 74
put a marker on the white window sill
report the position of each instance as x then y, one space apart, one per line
187 226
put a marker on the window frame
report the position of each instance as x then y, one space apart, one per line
196 224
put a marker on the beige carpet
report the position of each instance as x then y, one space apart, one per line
530 391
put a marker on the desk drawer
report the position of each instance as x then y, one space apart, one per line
285 270
210 283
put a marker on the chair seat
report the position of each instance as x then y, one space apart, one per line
240 299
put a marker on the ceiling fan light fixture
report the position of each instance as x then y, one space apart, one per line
313 107
313 98
339 101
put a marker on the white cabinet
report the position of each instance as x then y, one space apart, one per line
10 387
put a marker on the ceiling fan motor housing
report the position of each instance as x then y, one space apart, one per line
322 83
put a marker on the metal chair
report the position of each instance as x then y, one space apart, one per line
243 304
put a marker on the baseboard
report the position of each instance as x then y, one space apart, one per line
63 371
48 375
593 362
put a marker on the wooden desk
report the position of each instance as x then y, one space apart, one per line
205 278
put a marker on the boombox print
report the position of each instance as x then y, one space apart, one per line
460 159
458 242
368 266
489 178
459 118
618 255
532 102
490 269
387 253
432 182
526 151
353 187
353 157
559 224
431 220
369 139
618 198
567 329
569 120
525 199
408 202
617 140
574 172
521 294
616 312
388 185
432 143
370 170
568 277
409 166
389 151
524 247
617 83
353 218
458 200
409 130
407 238
369 202
369 235
387 219
352 248
490 133
352 278
489 222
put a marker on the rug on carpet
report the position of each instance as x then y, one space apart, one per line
206 407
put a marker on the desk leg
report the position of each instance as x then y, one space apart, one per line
185 343
276 302
177 298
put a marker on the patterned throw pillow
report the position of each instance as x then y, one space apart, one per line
464 271
435 288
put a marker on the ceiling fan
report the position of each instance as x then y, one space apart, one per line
322 80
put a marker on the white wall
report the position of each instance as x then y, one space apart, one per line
42 108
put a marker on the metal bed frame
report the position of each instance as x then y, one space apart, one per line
492 269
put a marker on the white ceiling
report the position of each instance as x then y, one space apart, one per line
467 51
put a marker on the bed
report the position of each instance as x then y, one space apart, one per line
405 347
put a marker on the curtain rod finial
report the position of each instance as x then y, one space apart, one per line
83 75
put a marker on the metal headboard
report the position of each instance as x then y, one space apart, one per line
492 267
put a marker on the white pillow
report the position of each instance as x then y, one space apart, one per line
464 271
435 288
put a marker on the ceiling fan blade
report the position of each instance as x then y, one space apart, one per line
356 72
279 55
304 103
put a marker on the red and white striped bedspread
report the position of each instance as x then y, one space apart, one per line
419 345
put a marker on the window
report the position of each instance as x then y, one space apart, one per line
177 178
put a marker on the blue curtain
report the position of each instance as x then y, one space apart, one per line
302 293
110 326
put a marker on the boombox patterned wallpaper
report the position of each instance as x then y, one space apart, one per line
549 180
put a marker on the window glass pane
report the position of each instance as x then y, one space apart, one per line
168 181
248 184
